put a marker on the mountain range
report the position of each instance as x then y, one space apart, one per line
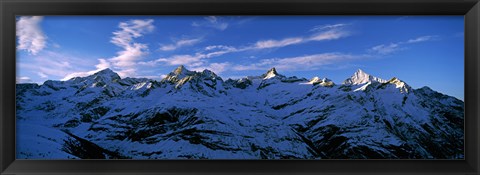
199 115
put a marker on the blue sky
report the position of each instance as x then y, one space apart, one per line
420 50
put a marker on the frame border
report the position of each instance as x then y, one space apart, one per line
10 8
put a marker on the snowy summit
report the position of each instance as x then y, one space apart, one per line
271 73
360 77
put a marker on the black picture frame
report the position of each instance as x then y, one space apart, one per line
10 8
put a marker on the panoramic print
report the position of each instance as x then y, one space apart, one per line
240 87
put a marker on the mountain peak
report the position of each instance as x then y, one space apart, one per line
315 80
107 73
361 77
180 70
273 70
209 73
360 72
177 74
321 81
271 73
399 84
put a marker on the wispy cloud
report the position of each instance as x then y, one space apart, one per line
180 43
49 64
102 64
212 22
327 27
330 34
394 47
278 43
386 48
77 74
42 75
181 59
422 39
130 30
132 52
307 62
322 33
215 67
199 59
30 35
23 80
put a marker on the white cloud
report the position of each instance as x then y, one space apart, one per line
126 60
218 68
219 47
180 43
248 67
23 80
278 43
30 35
182 59
48 64
42 75
77 74
211 19
307 62
393 47
212 22
54 64
327 27
130 30
422 39
329 35
329 32
386 49
103 64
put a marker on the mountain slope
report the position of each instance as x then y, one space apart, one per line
197 115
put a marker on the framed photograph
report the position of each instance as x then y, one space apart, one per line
303 87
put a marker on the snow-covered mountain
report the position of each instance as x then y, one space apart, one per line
198 115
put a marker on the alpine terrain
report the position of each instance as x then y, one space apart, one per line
199 115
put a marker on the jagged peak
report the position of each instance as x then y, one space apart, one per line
206 71
177 74
425 88
326 80
271 73
315 79
395 80
321 81
273 70
209 73
360 71
404 87
180 70
106 73
361 77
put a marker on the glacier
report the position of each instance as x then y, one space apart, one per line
199 115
